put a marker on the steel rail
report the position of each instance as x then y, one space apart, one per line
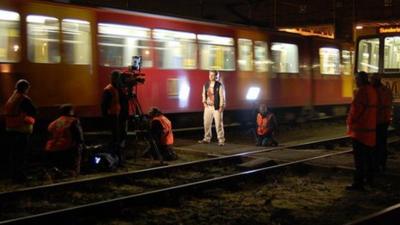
147 197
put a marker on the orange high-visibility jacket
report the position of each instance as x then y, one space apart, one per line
61 137
167 138
264 124
385 99
115 107
361 120
16 120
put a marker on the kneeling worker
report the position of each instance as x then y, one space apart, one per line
161 131
66 143
266 127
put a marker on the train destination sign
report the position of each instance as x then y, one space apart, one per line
391 29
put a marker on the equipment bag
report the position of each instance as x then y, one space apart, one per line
105 161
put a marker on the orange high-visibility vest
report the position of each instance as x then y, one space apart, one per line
61 137
16 120
167 138
115 107
263 124
361 120
385 98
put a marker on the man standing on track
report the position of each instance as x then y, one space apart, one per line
19 115
361 124
384 115
213 97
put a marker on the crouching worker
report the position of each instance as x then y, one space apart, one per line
161 132
64 148
266 127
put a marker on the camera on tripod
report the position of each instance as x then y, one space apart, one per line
133 76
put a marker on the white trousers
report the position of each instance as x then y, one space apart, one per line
209 114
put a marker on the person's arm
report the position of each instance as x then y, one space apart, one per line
77 133
105 102
221 98
203 96
28 107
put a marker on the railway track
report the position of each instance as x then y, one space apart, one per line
202 174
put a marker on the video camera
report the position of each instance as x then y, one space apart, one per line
133 76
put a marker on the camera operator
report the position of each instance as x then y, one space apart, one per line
114 107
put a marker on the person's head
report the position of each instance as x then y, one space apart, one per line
263 108
22 86
154 111
376 80
213 75
66 110
362 79
115 78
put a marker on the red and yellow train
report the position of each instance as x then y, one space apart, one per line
67 53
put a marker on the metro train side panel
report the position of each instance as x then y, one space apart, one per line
81 85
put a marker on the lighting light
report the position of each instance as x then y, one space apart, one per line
359 27
171 35
217 40
16 48
252 93
8 15
122 30
39 19
75 21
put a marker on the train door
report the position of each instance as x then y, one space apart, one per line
380 54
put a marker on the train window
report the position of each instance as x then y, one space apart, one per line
368 55
76 42
43 39
216 52
9 36
245 60
175 50
118 43
285 58
261 56
392 54
329 60
347 62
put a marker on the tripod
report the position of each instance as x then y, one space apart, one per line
142 128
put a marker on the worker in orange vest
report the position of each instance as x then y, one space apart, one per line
361 124
19 118
266 127
64 148
384 115
161 132
111 110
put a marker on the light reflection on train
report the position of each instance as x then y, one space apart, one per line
67 53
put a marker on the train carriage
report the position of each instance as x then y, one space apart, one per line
67 52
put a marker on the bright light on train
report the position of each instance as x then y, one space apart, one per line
39 19
172 35
213 39
8 15
75 21
116 29
252 93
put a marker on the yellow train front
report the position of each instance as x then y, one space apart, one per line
378 52
67 53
